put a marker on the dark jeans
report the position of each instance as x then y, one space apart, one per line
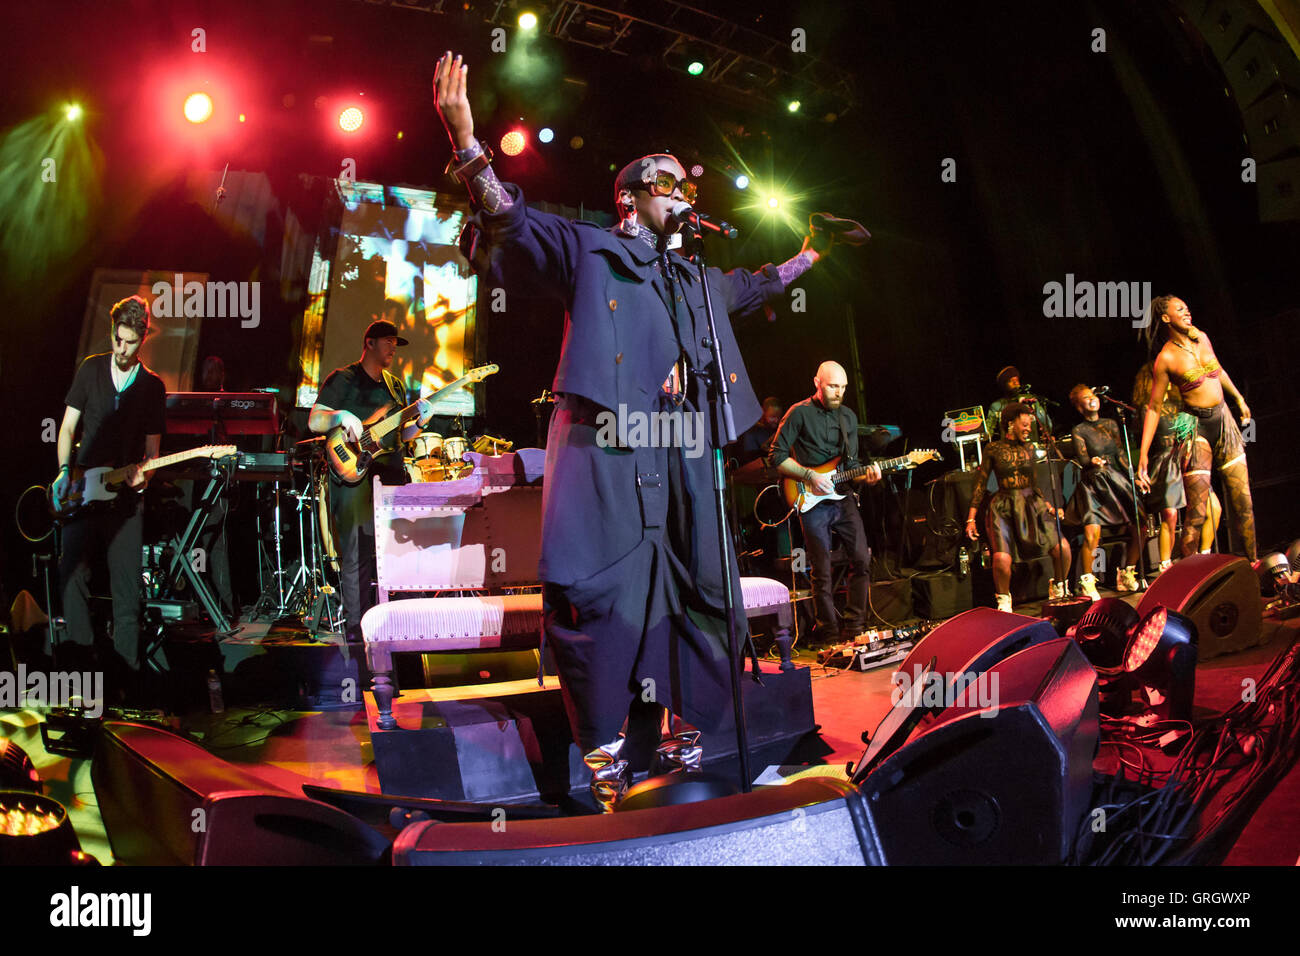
115 530
353 515
842 518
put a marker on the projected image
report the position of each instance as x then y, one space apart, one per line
396 259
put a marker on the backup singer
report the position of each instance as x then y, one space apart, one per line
1104 495
1020 520
119 406
813 432
1165 490
630 564
349 396
1187 360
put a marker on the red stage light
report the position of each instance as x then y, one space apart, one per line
350 119
198 107
513 143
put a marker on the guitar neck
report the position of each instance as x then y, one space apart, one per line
410 413
887 464
119 474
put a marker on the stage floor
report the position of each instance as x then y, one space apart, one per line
333 748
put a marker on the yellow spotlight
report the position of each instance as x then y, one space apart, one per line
528 21
73 112
773 202
198 107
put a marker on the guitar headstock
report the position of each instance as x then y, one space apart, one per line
482 372
921 455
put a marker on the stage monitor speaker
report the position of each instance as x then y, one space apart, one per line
1008 783
159 792
815 821
941 594
959 649
975 640
1220 593
261 828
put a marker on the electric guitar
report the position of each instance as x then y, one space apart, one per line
350 460
799 495
88 486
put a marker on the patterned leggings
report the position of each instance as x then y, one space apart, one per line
1236 483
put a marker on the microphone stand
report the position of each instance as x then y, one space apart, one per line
720 396
1124 408
1056 512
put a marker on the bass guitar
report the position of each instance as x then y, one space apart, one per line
88 486
351 460
800 495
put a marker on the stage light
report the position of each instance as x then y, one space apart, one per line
72 112
350 119
400 134
198 107
17 772
513 143
742 181
697 170
243 118
773 202
1102 634
695 68
577 142
528 21
793 106
545 134
1161 659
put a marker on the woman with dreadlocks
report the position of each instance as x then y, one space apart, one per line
1187 360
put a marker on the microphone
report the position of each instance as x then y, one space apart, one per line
684 215
1101 390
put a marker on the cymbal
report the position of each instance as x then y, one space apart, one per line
757 473
311 441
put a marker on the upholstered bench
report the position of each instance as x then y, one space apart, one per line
504 623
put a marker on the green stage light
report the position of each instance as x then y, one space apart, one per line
73 112
793 106
695 68
528 21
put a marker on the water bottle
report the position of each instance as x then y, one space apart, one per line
215 700
963 562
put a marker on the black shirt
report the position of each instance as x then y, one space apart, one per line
812 434
113 425
351 389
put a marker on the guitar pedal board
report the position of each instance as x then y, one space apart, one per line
875 648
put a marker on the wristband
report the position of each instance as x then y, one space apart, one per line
466 172
63 468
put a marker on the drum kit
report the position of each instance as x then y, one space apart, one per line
305 588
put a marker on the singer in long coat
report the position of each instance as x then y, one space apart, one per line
631 562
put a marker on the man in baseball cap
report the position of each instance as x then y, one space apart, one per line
358 393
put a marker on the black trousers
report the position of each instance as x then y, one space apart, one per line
841 518
116 531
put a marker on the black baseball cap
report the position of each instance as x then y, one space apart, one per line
382 329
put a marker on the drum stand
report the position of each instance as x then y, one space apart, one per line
309 589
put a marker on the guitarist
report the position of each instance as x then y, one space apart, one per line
813 432
119 407
350 396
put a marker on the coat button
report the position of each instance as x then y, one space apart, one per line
613 304
679 298
706 342
733 378
618 359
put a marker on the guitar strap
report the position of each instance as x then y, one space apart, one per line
844 440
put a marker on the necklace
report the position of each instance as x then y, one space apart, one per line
1188 349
